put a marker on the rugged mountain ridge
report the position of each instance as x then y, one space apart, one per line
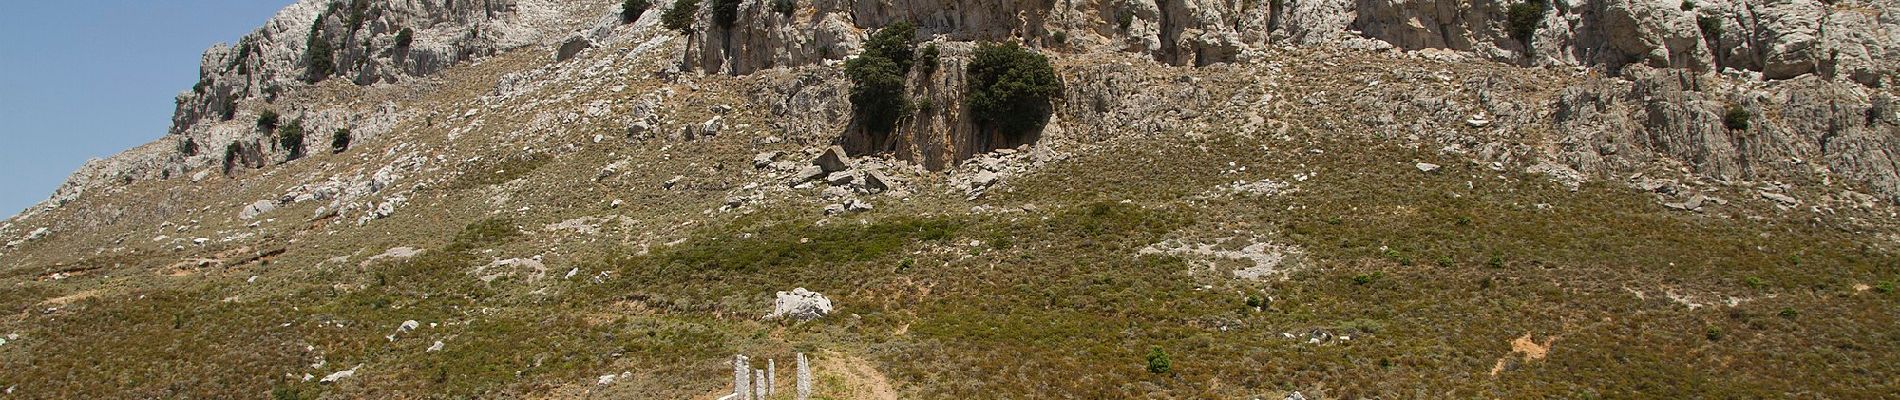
606 212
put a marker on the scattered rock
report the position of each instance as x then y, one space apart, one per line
833 160
1478 121
1785 200
339 375
841 178
764 160
876 182
258 208
808 174
800 304
1562 174
573 47
1427 167
394 253
434 347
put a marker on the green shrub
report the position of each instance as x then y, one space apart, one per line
1525 18
680 17
1789 313
1688 5
340 141
1714 334
267 122
1158 361
290 138
924 105
1061 38
230 107
188 147
894 42
1754 282
1011 90
231 155
785 7
878 76
1884 287
930 56
1367 279
1736 118
1711 26
631 10
405 37
1125 20
877 92
725 12
319 59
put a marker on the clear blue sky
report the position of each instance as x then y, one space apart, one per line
82 79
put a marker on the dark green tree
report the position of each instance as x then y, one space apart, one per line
318 57
878 77
895 42
725 12
290 138
340 141
1524 19
877 92
405 37
1158 361
1011 89
680 17
267 121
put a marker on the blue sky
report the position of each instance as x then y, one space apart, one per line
90 78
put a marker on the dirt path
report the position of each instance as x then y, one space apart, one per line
859 377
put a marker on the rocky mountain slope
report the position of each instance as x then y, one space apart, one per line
1343 199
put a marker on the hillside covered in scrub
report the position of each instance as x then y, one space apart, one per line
991 199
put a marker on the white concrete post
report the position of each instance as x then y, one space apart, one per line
740 389
758 383
804 378
771 377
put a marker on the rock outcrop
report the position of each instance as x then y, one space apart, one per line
364 42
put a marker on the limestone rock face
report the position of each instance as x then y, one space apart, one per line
1660 115
1653 32
365 47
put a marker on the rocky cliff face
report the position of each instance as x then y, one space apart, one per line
371 42
367 42
1814 75
1662 98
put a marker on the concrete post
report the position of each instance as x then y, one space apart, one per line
804 378
740 388
758 383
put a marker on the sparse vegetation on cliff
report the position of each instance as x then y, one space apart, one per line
680 16
878 78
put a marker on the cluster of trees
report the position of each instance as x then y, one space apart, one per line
1012 90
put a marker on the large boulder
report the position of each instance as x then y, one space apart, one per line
801 305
